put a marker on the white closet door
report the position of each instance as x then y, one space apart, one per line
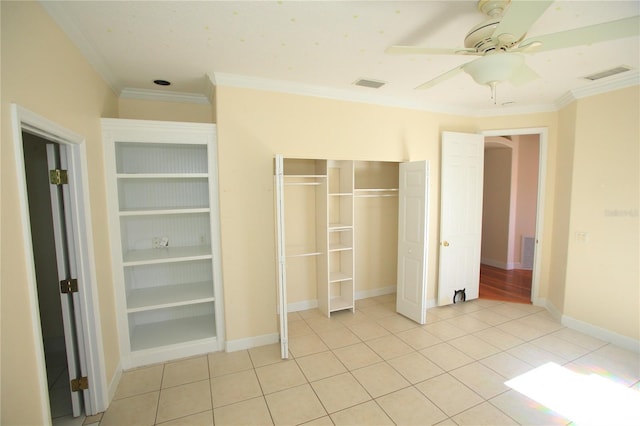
460 215
282 267
67 269
413 219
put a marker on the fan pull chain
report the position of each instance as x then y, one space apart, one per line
493 85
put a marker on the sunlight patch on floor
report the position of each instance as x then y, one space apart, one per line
584 399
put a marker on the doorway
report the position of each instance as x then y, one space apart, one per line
512 212
46 271
84 324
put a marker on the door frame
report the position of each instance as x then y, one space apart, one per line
25 120
542 133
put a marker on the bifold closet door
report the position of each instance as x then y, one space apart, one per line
413 226
282 268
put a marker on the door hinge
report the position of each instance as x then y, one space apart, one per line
69 286
81 383
58 177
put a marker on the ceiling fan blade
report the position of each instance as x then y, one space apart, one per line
439 79
519 17
416 50
626 27
523 75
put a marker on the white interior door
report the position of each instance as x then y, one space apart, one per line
460 215
67 269
282 266
413 220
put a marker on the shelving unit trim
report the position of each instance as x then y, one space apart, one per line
169 296
166 254
162 175
163 211
173 332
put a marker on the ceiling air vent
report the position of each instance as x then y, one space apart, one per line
607 73
369 83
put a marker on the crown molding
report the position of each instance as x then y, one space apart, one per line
294 88
162 96
627 79
78 38
242 81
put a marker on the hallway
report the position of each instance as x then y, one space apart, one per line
505 285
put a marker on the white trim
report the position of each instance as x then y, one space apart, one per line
627 79
164 96
242 81
252 342
89 309
115 381
602 333
77 37
302 306
362 294
354 95
381 291
507 266
542 133
590 329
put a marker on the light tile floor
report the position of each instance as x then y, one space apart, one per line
374 367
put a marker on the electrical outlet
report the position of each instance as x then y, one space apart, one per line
155 242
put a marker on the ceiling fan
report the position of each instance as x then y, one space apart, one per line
500 42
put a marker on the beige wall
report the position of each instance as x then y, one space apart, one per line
496 206
165 111
602 279
255 125
527 190
591 170
43 72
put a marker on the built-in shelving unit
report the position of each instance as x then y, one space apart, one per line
340 236
164 226
318 229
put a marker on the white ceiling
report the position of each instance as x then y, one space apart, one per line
322 47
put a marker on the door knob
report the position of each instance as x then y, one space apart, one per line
445 243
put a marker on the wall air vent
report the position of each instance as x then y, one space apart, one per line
607 73
369 83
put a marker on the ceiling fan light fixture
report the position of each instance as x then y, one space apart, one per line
493 69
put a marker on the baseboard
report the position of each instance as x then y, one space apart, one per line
113 384
302 306
362 294
497 264
590 329
252 342
381 291
602 333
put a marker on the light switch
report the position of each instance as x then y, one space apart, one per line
582 237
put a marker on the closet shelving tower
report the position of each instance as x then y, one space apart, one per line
164 228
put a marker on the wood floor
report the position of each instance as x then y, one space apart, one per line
499 284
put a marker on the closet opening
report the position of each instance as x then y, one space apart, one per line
38 152
60 266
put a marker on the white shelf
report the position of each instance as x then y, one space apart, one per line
162 175
166 254
172 332
335 277
304 176
169 296
339 227
164 211
340 194
340 247
300 251
339 304
375 192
